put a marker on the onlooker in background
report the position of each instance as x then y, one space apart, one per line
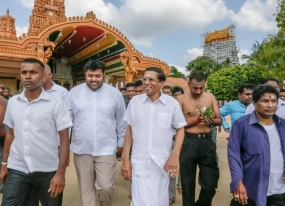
237 108
176 91
6 93
281 104
130 92
167 90
139 87
123 91
256 153
282 94
50 86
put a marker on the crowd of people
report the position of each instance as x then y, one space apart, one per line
159 133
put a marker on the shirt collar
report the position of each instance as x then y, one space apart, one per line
281 103
53 88
43 95
162 98
253 118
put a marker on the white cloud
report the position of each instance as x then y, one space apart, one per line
193 53
243 52
256 15
26 3
21 30
143 21
180 68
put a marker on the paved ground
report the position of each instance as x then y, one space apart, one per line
222 198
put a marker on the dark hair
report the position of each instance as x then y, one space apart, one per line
269 79
34 60
167 87
282 90
199 76
261 90
94 65
177 89
160 74
138 83
244 86
130 84
5 88
122 89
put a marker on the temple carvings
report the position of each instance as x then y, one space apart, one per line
7 27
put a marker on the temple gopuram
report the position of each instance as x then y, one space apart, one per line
66 44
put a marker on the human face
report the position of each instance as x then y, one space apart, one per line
130 92
94 79
196 88
123 92
31 75
6 93
266 106
139 90
151 83
47 77
167 92
245 97
282 96
176 94
274 84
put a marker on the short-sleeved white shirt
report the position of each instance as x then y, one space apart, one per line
152 126
36 125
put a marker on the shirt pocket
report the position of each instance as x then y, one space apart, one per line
107 105
253 148
42 121
164 120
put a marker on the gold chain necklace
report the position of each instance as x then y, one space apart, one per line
199 106
264 123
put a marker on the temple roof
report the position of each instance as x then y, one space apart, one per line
7 17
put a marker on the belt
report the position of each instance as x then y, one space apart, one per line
199 136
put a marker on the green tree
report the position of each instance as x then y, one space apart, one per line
203 64
175 73
225 82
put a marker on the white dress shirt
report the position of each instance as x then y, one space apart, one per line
36 125
98 119
57 90
152 126
280 109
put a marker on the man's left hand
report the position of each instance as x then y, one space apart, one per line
119 150
57 185
207 120
171 165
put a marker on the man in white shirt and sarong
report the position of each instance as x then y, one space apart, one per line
151 118
97 110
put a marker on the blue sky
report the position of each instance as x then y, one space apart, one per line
169 30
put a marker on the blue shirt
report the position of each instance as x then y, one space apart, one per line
235 109
249 155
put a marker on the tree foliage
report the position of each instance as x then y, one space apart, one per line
175 73
225 82
203 64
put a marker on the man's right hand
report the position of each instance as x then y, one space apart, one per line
4 173
126 169
227 130
240 194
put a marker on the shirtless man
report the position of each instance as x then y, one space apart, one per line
198 147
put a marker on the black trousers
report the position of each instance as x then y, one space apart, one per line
19 185
272 200
198 150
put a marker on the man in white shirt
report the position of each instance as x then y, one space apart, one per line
34 119
50 86
151 118
97 110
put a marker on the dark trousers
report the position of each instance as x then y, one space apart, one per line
198 150
19 185
272 200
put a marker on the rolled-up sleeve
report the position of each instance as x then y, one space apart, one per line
234 156
225 110
120 123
